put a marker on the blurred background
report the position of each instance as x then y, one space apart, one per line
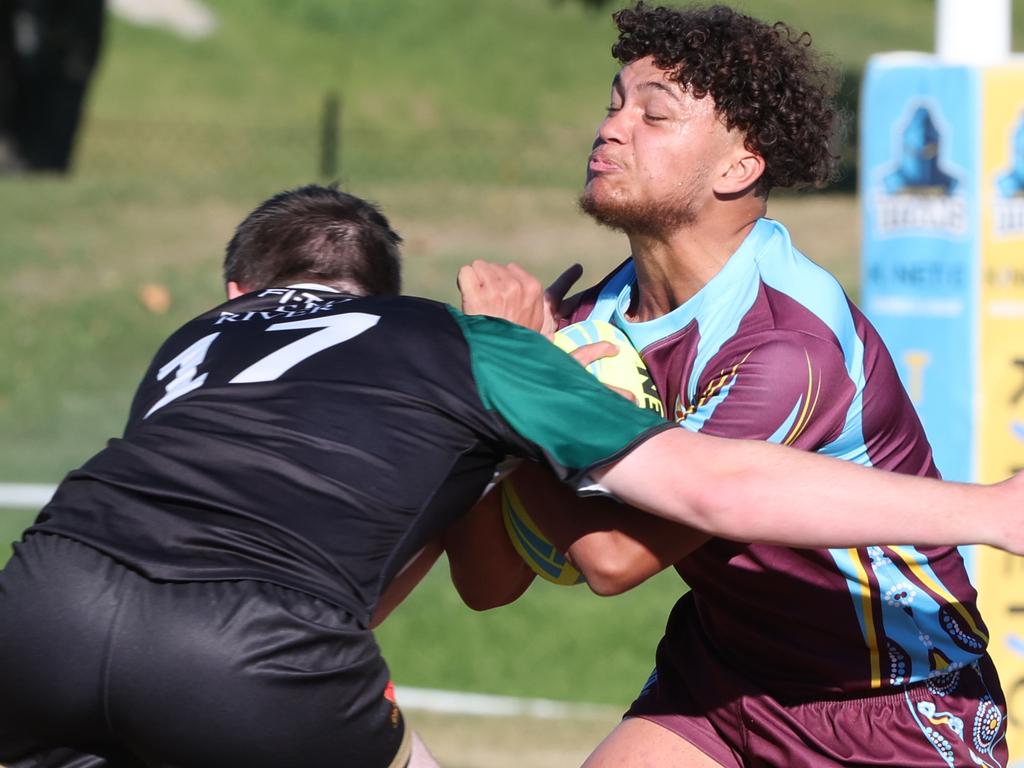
135 135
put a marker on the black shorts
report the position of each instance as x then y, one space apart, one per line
100 666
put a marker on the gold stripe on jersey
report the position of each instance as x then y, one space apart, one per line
724 377
867 605
809 406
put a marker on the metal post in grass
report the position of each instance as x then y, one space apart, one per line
330 136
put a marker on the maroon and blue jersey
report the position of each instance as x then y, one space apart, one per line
772 349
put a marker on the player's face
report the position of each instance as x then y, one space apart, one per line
656 155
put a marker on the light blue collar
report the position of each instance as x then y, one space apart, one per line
614 300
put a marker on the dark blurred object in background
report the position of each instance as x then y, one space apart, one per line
48 50
597 5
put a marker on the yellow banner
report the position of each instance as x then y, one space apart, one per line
1000 396
1001 305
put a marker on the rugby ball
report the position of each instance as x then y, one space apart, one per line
536 551
625 371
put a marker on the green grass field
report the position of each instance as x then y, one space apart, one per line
469 121
12 523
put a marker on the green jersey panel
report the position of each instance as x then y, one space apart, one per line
549 399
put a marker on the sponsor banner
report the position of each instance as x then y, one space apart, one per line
919 180
1001 276
1000 428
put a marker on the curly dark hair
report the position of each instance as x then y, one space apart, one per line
764 79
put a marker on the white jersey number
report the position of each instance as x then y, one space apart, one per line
335 329
187 365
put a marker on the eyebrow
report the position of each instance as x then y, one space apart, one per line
647 85
654 85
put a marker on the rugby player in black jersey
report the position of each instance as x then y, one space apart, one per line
202 591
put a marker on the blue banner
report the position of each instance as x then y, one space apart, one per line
919 169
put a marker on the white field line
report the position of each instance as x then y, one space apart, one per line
32 496
24 495
456 703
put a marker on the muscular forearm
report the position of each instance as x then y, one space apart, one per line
614 546
753 491
616 559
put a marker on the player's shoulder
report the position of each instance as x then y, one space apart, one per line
796 293
773 373
776 362
413 310
787 349
788 269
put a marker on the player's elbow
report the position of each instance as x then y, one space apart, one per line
493 591
608 573
607 583
484 601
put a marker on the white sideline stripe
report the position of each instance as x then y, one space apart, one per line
24 495
30 495
456 703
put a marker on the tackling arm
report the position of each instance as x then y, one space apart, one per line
753 491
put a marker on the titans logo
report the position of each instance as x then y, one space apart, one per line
915 191
1008 207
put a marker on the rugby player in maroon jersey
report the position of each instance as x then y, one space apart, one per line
745 337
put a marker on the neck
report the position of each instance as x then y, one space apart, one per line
672 267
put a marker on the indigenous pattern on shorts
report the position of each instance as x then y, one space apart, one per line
950 720
772 349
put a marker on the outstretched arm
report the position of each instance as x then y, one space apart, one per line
753 491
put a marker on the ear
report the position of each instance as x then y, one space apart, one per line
742 172
235 290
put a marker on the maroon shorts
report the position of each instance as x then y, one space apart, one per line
957 719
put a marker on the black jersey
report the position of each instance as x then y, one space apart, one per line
317 441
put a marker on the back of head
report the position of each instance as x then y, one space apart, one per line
765 81
316 234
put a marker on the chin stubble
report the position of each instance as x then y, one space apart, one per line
652 218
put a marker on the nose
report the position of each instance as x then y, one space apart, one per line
613 129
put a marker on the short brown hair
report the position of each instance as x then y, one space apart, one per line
319 234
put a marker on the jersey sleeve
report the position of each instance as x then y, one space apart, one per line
556 412
793 390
